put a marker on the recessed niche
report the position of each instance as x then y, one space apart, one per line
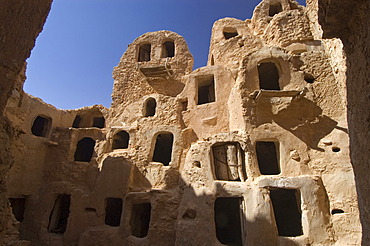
206 90
18 206
309 78
144 52
113 211
228 224
274 9
140 219
84 150
41 126
99 122
335 149
150 107
163 148
287 211
337 211
268 75
58 218
121 140
168 49
230 33
267 157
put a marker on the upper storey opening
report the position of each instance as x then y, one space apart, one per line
144 52
275 8
168 49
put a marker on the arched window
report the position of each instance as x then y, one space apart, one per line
168 49
41 126
268 75
163 148
274 9
84 150
150 107
121 140
144 52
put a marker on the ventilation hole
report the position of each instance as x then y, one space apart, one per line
58 218
275 9
309 78
113 211
227 220
212 61
190 214
163 148
268 76
90 210
41 126
84 150
206 90
121 140
168 49
197 164
140 219
229 35
287 211
335 149
337 211
267 158
144 52
150 107
18 206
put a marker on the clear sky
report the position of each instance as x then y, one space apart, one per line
71 65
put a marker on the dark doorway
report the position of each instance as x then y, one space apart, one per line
168 49
228 161
99 122
140 219
275 9
163 148
206 90
150 107
267 157
228 220
41 126
268 75
84 150
113 211
18 206
230 33
77 121
287 211
59 215
144 52
121 140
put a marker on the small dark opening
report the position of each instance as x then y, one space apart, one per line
84 150
184 105
163 148
168 49
90 210
337 211
206 90
40 126
269 76
230 34
59 215
190 214
212 61
99 122
144 52
267 158
228 221
18 206
140 219
228 161
275 9
335 149
197 164
121 140
309 78
77 121
287 211
150 107
113 211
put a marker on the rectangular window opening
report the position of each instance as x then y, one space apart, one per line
113 211
206 90
228 160
287 211
99 122
228 222
267 157
58 218
140 219
18 206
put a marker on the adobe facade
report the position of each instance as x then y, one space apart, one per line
252 149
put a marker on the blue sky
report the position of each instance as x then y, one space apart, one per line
71 65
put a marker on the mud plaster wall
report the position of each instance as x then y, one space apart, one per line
183 194
21 22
